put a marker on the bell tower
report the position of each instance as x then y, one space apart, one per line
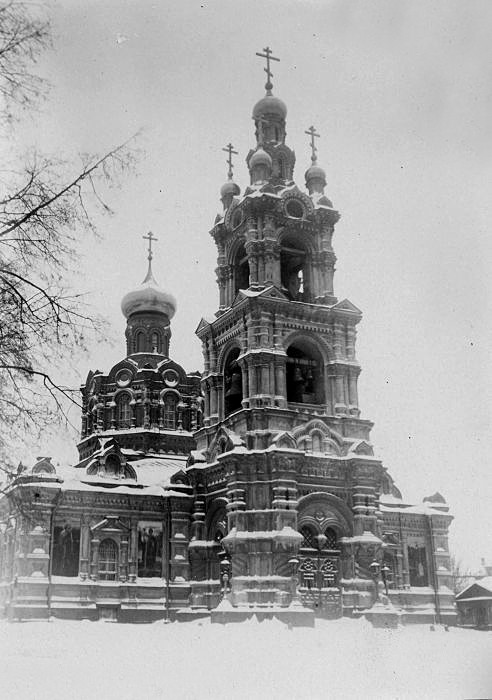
281 409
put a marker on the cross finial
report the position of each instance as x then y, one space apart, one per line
269 57
150 238
230 150
313 134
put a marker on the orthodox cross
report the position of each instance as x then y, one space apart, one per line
150 237
230 150
269 57
312 133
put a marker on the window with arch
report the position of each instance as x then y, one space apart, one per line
155 342
331 539
240 269
317 442
108 560
233 383
309 535
294 261
170 411
123 411
304 373
140 342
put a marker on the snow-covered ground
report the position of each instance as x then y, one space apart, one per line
193 660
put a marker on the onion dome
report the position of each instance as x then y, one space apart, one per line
315 179
270 105
260 158
148 298
229 189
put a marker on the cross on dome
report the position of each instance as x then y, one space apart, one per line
150 238
230 150
313 134
268 56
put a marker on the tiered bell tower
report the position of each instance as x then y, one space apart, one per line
282 434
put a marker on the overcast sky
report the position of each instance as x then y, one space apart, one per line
401 93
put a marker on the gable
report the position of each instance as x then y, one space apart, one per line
476 590
346 306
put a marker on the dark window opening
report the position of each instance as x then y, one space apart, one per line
305 377
108 560
331 539
241 270
140 342
309 535
293 269
123 411
149 551
66 550
156 342
233 383
170 407
112 466
417 564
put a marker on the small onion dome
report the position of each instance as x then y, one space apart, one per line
260 157
229 189
270 105
315 178
150 298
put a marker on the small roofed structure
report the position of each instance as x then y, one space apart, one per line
474 604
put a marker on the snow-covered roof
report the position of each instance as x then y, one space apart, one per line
485 583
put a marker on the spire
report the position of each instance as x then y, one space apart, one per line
315 175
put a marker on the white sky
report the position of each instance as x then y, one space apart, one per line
401 94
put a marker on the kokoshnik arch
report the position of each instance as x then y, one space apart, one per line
252 488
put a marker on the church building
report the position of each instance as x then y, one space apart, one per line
251 488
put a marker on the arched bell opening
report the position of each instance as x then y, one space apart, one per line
240 268
295 271
140 342
233 383
304 374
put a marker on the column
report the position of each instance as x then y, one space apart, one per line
85 537
133 551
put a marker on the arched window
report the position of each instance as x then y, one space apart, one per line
309 537
112 466
156 342
140 342
317 442
305 374
294 267
233 383
123 411
240 269
108 560
170 408
331 539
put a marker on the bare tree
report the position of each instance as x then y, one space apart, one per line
45 205
461 575
24 35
